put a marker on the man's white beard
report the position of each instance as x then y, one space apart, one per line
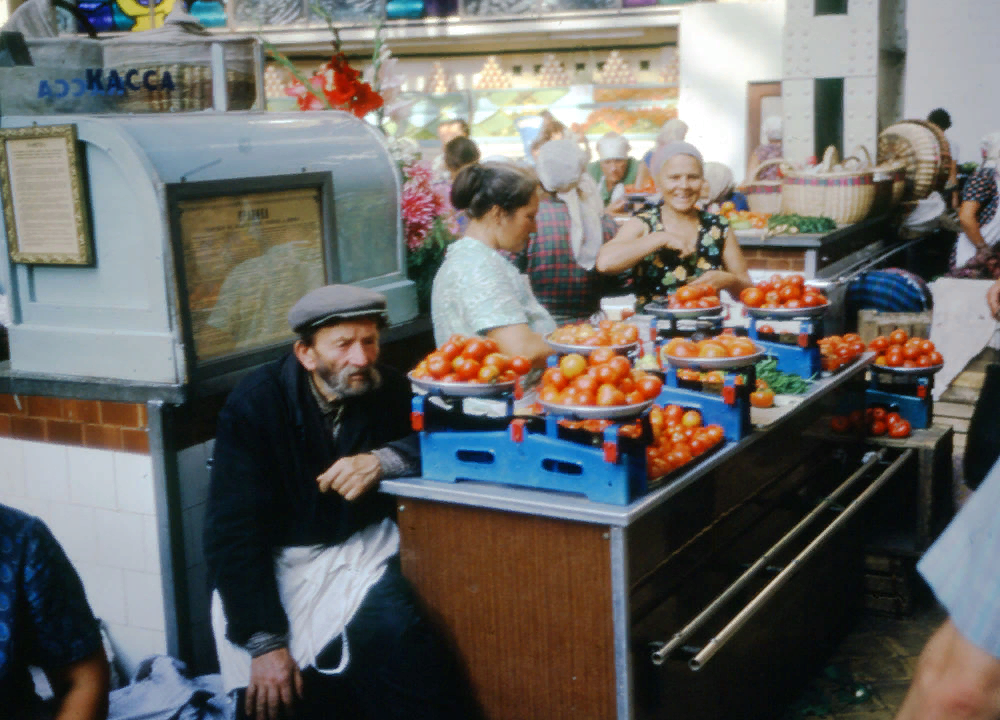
339 385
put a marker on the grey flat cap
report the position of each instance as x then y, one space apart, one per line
331 303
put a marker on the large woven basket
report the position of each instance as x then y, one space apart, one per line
845 196
764 196
923 150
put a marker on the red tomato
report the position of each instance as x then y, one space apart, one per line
879 344
550 394
772 297
438 365
649 386
714 433
840 423
607 374
635 397
899 336
877 427
762 398
900 429
608 395
878 413
893 418
856 418
520 365
601 355
692 418
765 330
491 344
621 366
710 349
924 361
698 446
627 384
459 340
555 378
894 356
789 292
476 349
912 351
686 293
498 360
572 365
587 383
673 414
752 297
469 370
936 358
488 374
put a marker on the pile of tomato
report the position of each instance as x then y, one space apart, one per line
874 421
692 297
604 379
470 360
785 292
898 349
608 332
839 350
678 438
720 346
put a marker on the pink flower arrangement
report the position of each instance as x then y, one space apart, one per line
423 201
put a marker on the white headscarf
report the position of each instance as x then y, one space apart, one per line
720 180
990 145
673 130
562 169
612 146
770 129
666 152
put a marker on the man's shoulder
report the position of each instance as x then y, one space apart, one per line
262 386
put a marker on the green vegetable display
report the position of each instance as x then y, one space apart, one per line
781 383
792 224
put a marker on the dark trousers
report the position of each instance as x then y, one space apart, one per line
399 666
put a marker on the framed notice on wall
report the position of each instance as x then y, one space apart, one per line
42 188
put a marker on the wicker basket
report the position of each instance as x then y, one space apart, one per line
924 152
845 196
764 196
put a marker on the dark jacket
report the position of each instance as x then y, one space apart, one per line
270 446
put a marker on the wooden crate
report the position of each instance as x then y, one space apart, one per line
872 323
890 583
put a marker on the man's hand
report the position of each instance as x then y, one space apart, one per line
275 685
617 206
993 299
351 476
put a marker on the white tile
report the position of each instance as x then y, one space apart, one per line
120 539
194 523
92 477
134 482
105 588
151 544
46 471
132 645
12 483
144 600
75 528
193 475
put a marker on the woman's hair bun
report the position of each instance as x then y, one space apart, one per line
467 183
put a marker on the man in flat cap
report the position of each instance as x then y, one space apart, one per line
312 616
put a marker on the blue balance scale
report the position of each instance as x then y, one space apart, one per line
540 453
802 358
905 390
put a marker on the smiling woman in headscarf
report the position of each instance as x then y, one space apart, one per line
771 148
675 244
571 227
977 254
614 170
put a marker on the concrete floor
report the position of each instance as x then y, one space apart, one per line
867 676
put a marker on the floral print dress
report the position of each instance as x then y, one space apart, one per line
663 271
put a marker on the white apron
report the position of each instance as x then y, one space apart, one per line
321 588
965 250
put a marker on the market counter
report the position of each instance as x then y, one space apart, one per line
555 602
812 254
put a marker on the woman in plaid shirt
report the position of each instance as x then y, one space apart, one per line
570 228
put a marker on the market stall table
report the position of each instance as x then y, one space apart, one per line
555 603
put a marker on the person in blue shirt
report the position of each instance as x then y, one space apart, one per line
45 622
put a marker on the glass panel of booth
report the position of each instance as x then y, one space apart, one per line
244 255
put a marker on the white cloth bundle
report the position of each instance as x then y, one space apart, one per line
321 588
562 169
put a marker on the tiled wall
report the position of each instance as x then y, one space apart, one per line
99 503
89 423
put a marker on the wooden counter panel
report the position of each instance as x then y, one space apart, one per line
526 601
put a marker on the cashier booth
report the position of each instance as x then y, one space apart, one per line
168 249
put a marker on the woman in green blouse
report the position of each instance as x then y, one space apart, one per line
675 243
477 291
